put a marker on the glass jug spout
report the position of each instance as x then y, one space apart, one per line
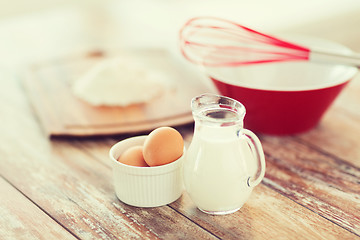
216 110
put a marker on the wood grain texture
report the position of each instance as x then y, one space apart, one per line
310 191
266 215
321 169
71 180
20 218
256 219
76 190
328 186
73 187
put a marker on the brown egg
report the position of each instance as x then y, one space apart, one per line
163 145
133 157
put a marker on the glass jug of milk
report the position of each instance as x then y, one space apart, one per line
224 161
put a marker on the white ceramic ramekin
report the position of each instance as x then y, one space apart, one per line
145 186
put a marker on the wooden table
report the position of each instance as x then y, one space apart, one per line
62 188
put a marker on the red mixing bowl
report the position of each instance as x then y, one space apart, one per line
284 98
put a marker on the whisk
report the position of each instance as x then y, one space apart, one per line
212 41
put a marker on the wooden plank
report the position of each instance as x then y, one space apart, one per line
320 169
62 114
77 191
266 215
334 194
73 187
324 184
256 219
20 218
77 181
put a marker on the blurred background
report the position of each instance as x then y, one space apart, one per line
37 30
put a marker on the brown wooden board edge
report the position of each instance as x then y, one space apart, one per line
103 130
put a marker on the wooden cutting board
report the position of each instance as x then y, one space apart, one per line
63 114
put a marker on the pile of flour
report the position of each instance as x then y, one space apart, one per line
119 82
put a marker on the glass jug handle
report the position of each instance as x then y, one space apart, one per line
257 150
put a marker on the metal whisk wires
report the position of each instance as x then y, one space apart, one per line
211 41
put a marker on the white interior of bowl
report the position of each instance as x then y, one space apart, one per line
289 76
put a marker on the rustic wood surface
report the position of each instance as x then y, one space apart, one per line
62 188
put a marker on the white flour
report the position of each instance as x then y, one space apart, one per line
119 82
